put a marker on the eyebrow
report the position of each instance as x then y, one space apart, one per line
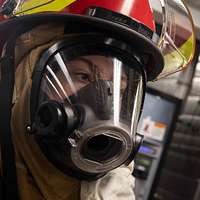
89 62
92 65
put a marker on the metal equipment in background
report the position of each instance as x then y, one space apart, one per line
156 124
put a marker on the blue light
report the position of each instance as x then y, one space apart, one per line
145 149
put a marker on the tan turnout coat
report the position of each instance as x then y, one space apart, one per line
37 178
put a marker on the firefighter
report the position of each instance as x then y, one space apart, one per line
72 89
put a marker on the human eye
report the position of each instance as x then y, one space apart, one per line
80 72
81 77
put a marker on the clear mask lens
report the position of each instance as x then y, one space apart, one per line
63 79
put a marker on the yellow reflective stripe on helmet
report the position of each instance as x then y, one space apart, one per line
37 6
188 48
178 59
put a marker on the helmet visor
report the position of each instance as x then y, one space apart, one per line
177 38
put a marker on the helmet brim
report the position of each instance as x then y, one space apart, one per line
143 45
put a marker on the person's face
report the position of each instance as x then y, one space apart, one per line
86 69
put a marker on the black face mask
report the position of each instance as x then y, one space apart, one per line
86 98
79 138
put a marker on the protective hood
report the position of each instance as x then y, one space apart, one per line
32 167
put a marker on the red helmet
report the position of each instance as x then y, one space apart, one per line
132 20
130 8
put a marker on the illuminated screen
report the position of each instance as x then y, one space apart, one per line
146 149
156 117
